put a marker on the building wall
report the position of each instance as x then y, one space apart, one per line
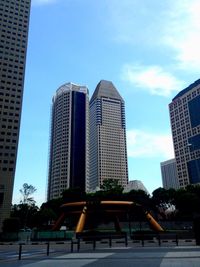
68 166
14 23
169 174
185 124
108 157
78 140
94 122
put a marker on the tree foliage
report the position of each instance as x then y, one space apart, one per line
26 191
11 225
185 201
25 214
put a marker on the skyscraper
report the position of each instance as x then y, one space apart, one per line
108 154
68 161
185 124
169 174
14 22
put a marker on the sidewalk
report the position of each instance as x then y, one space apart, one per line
119 256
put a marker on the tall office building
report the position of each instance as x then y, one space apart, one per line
169 174
108 154
14 22
185 124
68 161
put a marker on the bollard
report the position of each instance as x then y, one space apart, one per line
94 244
72 245
20 252
176 239
159 241
142 239
110 241
126 240
48 245
78 244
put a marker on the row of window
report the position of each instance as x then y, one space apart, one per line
9 147
180 101
5 161
4 58
5 169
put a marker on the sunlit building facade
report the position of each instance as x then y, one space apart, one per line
185 124
14 24
169 174
108 152
68 159
135 185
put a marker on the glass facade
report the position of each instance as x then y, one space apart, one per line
68 160
194 111
194 171
78 144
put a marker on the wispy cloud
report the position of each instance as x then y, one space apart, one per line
43 2
183 33
143 144
134 21
151 78
176 28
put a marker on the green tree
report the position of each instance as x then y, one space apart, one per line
44 217
26 191
27 208
11 225
111 185
187 203
73 194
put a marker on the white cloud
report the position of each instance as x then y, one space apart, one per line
183 33
141 144
171 25
152 79
43 2
134 21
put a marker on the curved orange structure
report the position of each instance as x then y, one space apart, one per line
115 208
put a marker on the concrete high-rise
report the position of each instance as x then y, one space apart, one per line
185 124
14 24
169 174
68 160
108 153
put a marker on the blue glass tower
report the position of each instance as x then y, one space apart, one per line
68 159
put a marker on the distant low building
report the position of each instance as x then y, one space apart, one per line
169 174
135 185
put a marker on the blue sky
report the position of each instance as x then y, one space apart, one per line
149 49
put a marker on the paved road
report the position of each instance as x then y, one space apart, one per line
187 256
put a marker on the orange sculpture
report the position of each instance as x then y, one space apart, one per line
109 207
